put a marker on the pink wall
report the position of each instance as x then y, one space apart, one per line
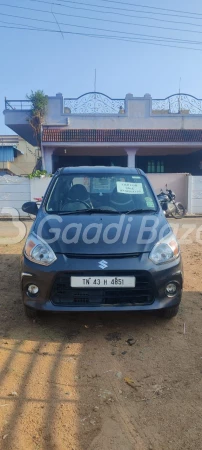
178 182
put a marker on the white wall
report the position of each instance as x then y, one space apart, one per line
14 191
38 187
195 195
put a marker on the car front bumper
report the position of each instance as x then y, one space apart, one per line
45 278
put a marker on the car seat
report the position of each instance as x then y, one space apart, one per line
76 196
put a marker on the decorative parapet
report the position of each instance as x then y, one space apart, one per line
94 103
97 103
177 104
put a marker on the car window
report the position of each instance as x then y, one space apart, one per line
119 192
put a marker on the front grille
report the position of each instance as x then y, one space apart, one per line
63 294
102 256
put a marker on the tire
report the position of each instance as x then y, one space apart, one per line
179 212
169 313
30 313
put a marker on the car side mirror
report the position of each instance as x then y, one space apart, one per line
30 208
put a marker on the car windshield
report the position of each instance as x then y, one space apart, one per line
106 193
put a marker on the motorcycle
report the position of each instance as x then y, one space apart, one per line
169 205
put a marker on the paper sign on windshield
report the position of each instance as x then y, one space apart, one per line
129 188
149 202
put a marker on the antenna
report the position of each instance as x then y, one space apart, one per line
95 81
180 85
179 101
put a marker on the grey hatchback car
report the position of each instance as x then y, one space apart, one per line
100 242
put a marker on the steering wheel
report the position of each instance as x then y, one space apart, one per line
80 201
76 201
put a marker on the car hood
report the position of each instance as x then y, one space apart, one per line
101 234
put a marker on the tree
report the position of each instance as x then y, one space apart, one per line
39 102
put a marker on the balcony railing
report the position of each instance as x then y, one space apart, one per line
18 105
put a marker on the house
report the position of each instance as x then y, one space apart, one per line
17 157
157 135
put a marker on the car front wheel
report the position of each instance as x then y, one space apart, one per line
30 313
169 313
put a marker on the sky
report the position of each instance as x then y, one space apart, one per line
62 62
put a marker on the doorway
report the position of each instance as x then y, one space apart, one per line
87 160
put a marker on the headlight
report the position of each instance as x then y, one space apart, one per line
165 250
38 251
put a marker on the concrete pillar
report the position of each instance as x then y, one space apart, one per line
131 152
54 113
138 107
47 159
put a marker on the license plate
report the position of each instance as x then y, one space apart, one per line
103 282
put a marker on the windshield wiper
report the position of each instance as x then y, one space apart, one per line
102 210
88 211
139 211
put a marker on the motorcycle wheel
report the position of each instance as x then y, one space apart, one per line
179 212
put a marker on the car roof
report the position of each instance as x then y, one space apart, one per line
100 169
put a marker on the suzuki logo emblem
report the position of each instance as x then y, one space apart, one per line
103 264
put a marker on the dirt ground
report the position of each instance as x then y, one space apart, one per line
62 378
